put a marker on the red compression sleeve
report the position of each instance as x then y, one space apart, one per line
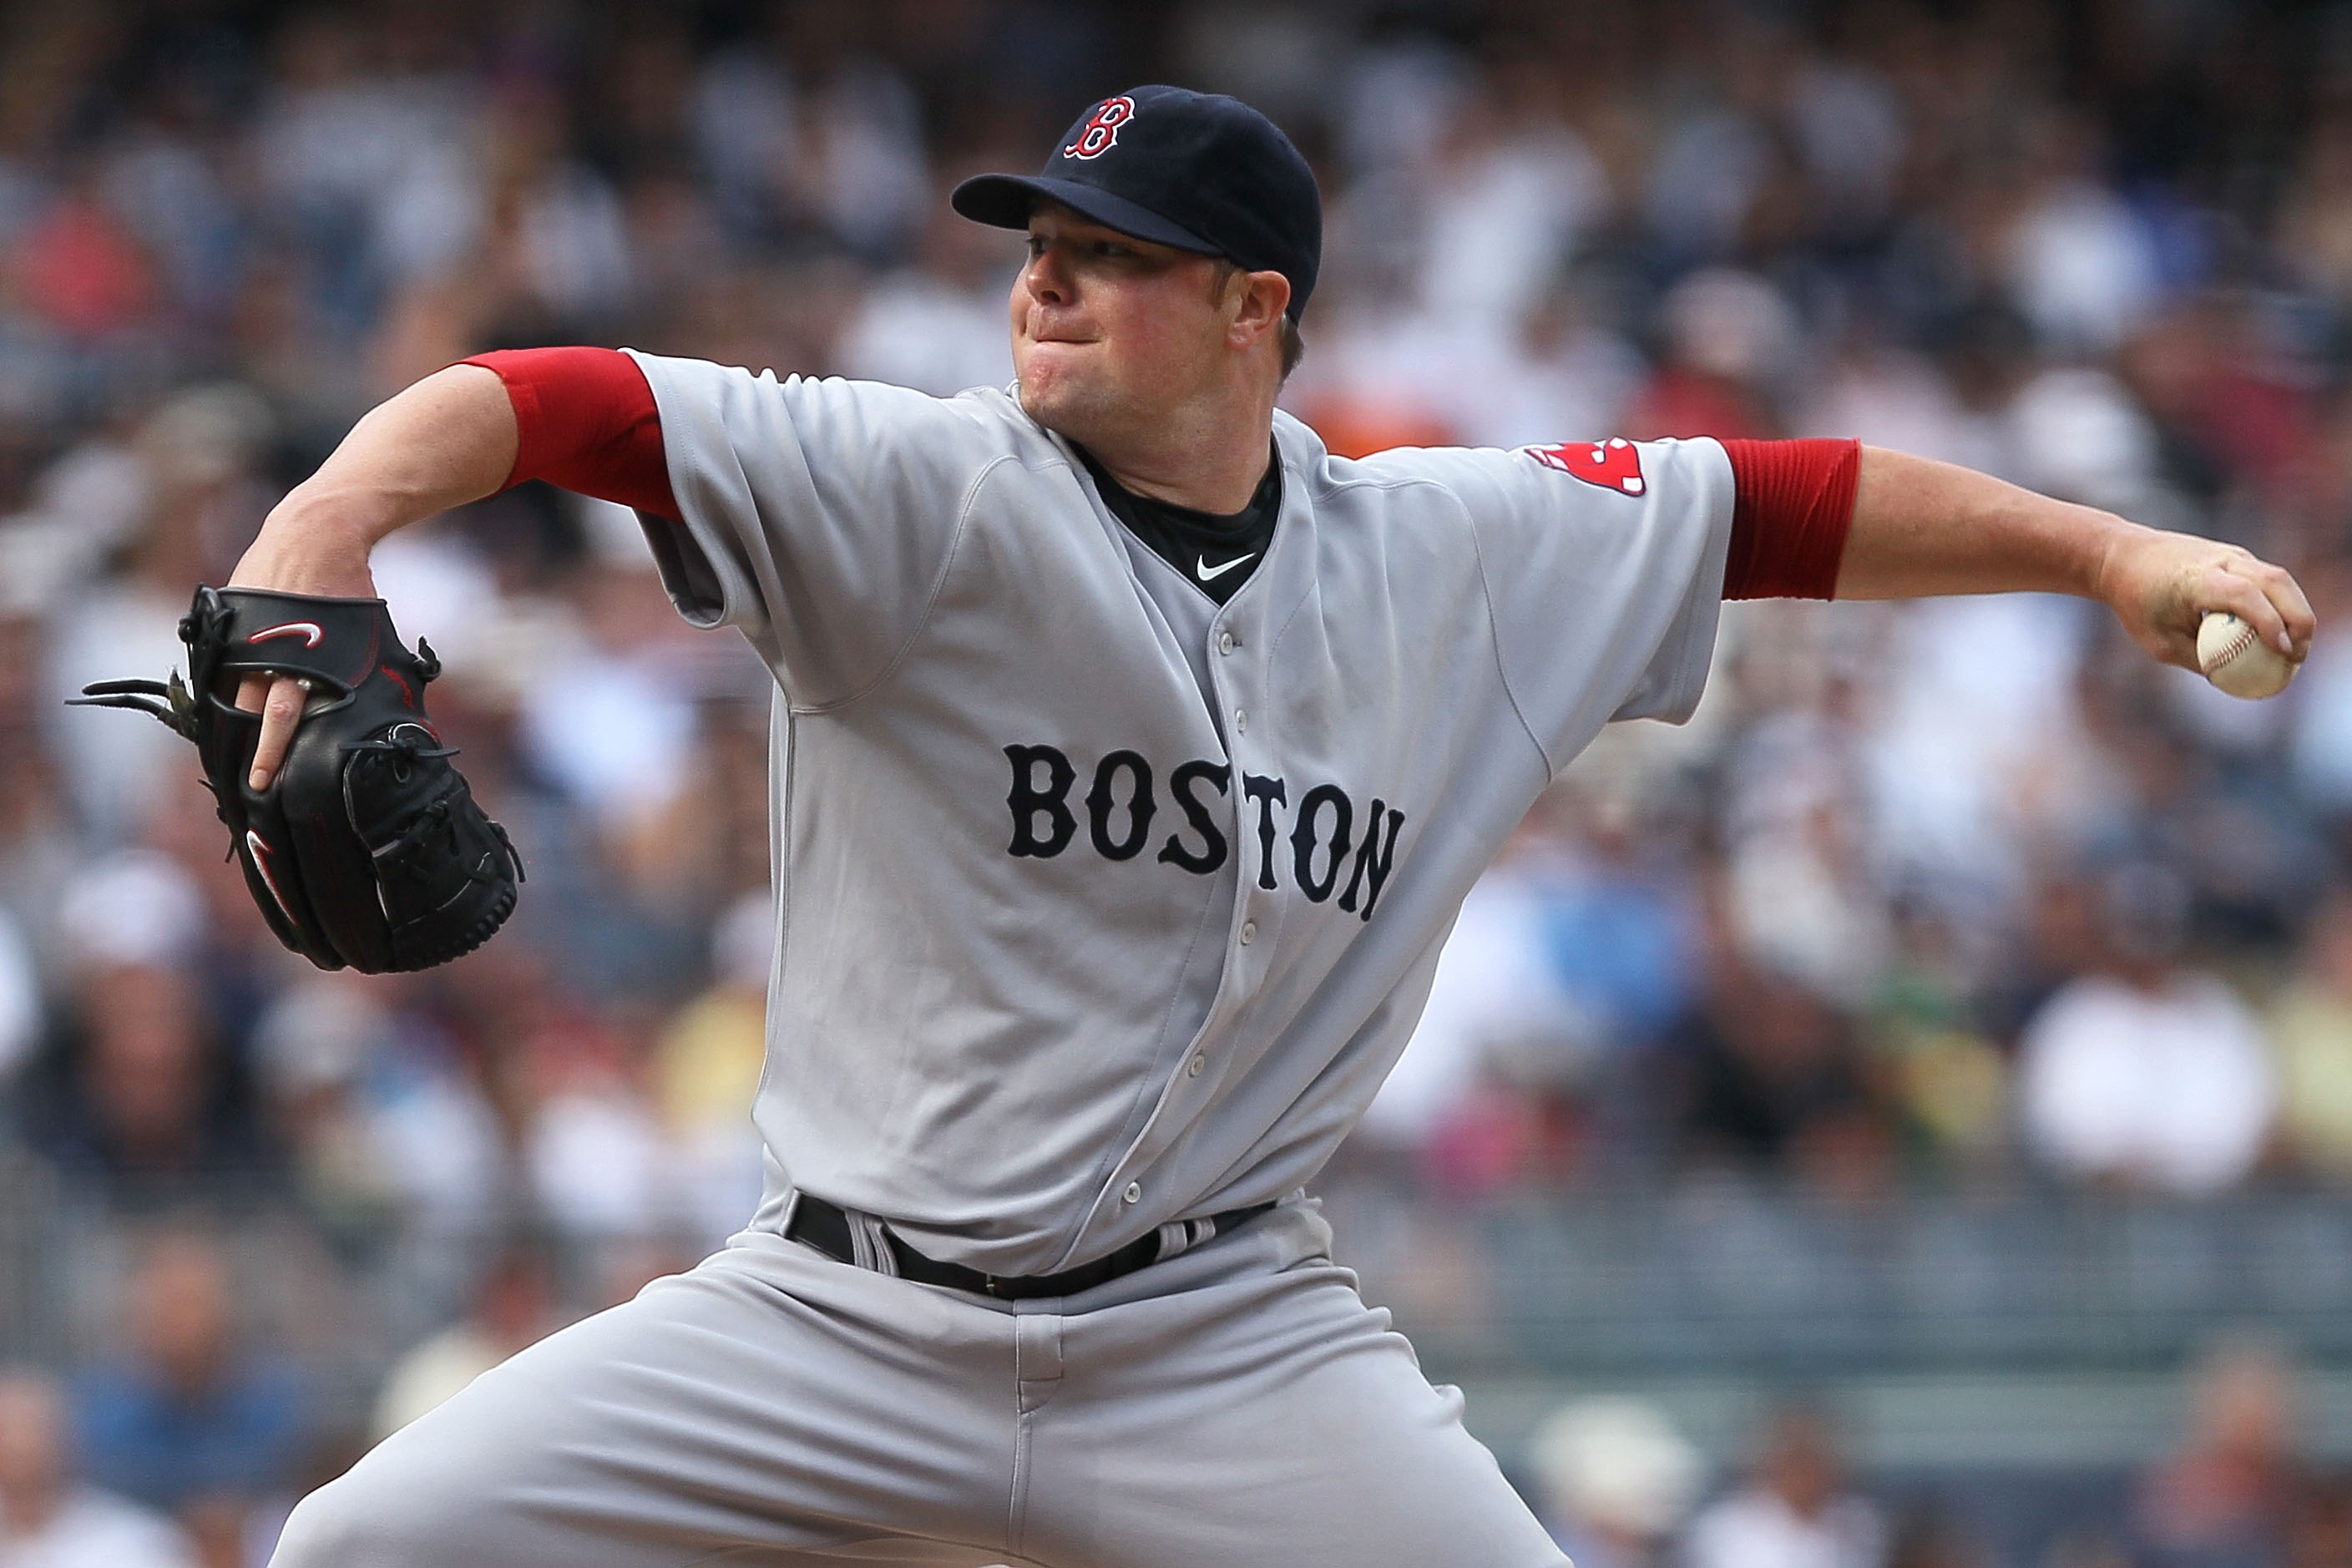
587 423
1792 503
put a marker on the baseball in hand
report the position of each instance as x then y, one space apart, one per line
2235 658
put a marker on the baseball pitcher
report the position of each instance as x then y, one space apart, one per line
1132 756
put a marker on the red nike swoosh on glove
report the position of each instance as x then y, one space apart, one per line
307 630
258 848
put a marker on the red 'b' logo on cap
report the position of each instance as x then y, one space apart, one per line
1613 465
1101 131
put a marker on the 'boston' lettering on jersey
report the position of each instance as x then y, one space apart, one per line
1120 806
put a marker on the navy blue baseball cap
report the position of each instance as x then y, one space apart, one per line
1197 171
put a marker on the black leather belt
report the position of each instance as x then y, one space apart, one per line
827 1229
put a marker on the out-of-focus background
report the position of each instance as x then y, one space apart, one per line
1902 1119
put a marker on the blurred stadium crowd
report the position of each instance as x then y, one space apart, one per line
1964 893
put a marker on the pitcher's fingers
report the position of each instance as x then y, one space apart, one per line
2236 590
2286 597
280 712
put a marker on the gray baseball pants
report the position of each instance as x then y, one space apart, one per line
1236 1405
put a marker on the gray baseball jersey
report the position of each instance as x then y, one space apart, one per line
1102 906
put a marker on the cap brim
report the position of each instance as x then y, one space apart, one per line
1004 201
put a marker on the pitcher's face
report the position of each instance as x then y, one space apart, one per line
1110 331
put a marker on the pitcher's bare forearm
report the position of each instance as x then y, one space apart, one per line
1921 527
449 440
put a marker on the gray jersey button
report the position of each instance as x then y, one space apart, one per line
1249 933
1241 721
1134 1193
1194 1066
1225 642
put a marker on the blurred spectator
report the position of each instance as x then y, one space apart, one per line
1570 959
1888 396
2319 749
20 999
1926 1025
1496 1007
1621 920
1930 1536
2320 1535
1796 1511
1509 192
1971 754
1615 1480
1848 122
2227 405
368 169
513 1308
1560 374
2316 228
186 1417
1732 342
38 845
1380 375
594 1152
939 326
138 908
385 1119
2147 1073
51 1518
1712 164
2080 265
2226 1497
80 271
2078 435
2310 1025
627 1265
188 506
608 723
706 1071
1767 1079
143 1098
1806 907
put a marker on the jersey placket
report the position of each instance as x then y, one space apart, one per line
1238 671
1239 664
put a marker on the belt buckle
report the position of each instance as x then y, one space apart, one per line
988 1284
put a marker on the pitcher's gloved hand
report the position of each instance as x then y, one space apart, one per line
366 848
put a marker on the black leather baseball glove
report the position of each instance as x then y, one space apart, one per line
367 849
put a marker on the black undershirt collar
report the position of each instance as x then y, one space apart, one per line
1215 554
